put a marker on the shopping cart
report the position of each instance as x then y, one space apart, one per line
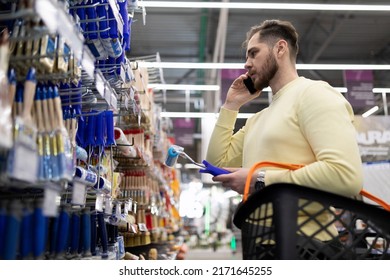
287 221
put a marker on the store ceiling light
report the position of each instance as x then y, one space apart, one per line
199 115
205 65
370 112
217 88
184 87
265 6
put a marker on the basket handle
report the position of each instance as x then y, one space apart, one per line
292 166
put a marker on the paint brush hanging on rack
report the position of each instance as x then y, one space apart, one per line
25 147
7 91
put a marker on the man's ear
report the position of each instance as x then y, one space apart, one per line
281 48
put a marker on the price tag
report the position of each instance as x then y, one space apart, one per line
133 228
130 201
127 103
142 227
118 209
78 193
51 202
24 163
127 207
108 206
121 246
99 202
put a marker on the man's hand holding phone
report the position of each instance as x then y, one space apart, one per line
238 93
248 82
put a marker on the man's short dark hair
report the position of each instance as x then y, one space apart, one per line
272 30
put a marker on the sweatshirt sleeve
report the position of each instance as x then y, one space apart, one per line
225 148
326 121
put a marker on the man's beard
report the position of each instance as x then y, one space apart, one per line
268 71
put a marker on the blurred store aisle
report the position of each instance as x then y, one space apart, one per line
223 253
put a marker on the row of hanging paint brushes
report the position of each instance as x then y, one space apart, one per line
40 148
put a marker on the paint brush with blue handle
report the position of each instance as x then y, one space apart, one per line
93 232
42 173
103 235
39 232
53 234
65 155
26 241
28 96
47 151
85 238
74 235
25 136
63 233
53 135
3 222
12 230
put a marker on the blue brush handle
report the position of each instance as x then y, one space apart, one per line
63 233
92 26
19 94
81 13
113 24
80 134
91 130
12 233
123 10
26 236
103 19
3 221
65 98
54 222
75 233
110 127
110 66
39 232
120 59
213 170
85 244
111 234
99 130
103 235
93 233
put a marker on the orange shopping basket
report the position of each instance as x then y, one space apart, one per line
292 166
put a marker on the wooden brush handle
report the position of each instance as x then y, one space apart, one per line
28 98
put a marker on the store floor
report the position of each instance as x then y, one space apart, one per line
223 253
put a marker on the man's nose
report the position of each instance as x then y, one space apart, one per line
247 65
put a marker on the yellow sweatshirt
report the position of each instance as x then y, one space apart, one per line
308 122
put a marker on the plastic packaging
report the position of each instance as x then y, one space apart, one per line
123 144
93 41
87 177
114 47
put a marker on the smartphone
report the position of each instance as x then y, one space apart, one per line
250 86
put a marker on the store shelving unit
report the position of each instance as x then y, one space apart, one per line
92 214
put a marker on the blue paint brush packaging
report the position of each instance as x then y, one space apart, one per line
109 121
123 10
93 41
80 135
114 47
